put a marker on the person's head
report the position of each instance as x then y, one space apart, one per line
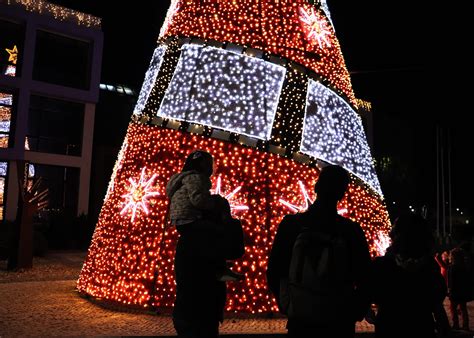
332 183
200 161
411 236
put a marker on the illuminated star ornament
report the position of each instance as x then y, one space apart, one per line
234 204
305 198
138 194
228 98
306 202
13 57
315 28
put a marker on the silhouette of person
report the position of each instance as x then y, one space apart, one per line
459 286
443 262
407 285
322 217
200 264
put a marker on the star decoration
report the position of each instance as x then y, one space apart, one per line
13 54
234 204
305 198
138 194
306 202
315 28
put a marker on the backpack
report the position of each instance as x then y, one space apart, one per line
319 284
233 240
230 232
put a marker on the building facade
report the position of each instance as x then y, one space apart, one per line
50 64
116 101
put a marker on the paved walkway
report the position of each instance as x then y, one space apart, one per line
54 308
49 306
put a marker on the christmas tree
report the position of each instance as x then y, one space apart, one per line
262 85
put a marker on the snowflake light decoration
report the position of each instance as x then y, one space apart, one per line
138 194
234 204
305 204
307 201
315 28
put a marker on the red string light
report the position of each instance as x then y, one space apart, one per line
276 27
125 255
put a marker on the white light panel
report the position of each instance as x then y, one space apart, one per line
3 168
333 132
5 126
150 78
6 99
325 8
222 89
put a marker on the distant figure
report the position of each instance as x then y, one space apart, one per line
459 287
407 285
443 262
200 266
318 266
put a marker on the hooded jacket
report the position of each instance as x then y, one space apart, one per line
189 195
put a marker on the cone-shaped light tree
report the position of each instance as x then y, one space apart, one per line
262 85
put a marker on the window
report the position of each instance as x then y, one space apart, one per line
11 46
30 175
3 178
128 91
6 106
114 106
55 126
62 184
62 60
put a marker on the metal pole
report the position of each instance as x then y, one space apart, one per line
449 185
437 182
443 193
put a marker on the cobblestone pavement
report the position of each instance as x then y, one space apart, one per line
57 265
54 308
49 306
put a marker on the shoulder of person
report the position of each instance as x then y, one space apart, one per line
291 223
174 176
383 262
196 177
383 267
291 219
349 225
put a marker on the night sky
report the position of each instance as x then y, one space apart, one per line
397 60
